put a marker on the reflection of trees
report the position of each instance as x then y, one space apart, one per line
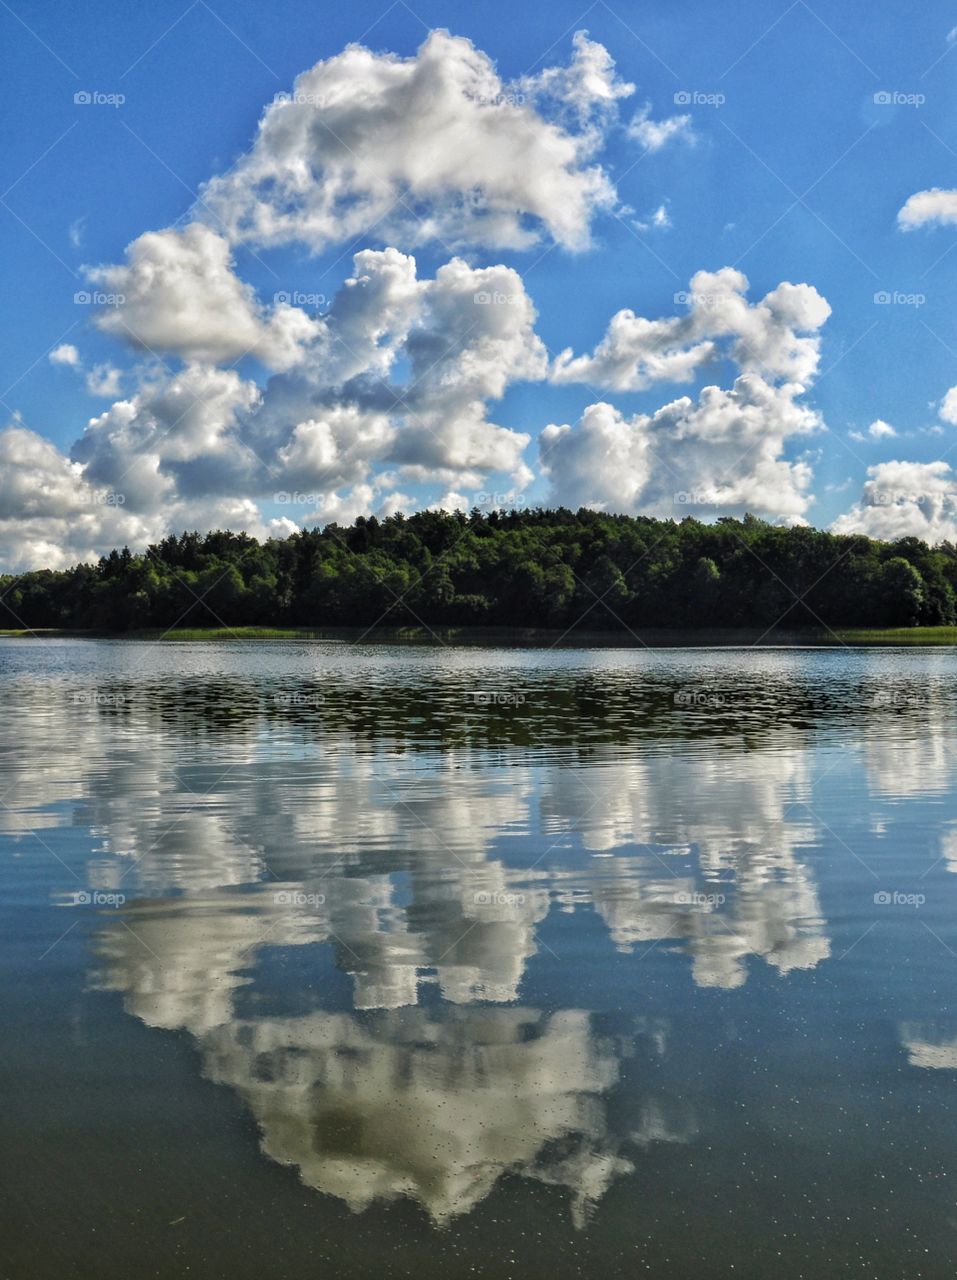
404 847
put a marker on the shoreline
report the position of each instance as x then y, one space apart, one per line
530 637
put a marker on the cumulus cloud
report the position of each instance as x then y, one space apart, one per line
392 390
905 499
49 513
177 293
401 378
385 400
935 207
432 147
719 453
724 451
66 353
775 338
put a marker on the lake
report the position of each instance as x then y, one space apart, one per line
370 960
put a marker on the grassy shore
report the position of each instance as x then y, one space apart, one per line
854 637
897 635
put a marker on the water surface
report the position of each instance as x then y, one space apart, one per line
357 960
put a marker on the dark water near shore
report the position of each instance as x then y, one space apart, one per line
325 959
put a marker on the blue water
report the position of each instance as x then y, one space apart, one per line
403 961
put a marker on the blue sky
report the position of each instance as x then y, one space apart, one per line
791 168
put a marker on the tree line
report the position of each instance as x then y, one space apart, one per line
527 568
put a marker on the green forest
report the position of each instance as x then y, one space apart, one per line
527 568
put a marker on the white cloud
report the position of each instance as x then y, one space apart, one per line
589 84
948 407
103 380
177 293
655 134
720 453
659 220
905 499
432 147
763 338
176 438
49 514
936 207
878 430
723 452
65 353
393 390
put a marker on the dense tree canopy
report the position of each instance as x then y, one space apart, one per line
521 568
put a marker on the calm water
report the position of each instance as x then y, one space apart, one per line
323 960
